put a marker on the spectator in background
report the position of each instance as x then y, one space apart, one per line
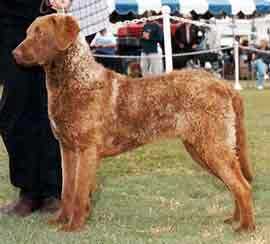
151 53
104 43
244 55
187 37
212 39
259 63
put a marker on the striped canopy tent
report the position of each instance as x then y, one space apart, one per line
229 7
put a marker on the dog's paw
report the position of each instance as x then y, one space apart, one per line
245 228
71 227
59 218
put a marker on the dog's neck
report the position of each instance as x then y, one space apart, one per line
72 63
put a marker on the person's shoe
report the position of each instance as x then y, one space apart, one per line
260 87
23 207
49 205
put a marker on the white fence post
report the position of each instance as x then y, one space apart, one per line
167 38
237 85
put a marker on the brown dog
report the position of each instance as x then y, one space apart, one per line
96 113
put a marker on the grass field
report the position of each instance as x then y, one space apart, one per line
158 195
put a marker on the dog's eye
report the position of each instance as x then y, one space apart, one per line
39 31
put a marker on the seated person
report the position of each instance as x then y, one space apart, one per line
104 43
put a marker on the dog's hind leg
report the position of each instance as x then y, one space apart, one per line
227 167
196 157
85 183
69 162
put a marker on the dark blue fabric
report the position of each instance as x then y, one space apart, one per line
22 11
218 6
214 6
262 6
126 6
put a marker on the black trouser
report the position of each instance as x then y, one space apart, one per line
34 157
34 160
90 38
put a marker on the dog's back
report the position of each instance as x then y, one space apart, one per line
142 110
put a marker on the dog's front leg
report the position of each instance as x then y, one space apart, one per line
85 183
69 164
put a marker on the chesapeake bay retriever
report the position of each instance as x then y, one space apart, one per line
96 113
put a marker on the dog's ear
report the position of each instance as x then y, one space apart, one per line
66 30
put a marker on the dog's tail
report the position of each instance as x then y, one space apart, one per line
241 138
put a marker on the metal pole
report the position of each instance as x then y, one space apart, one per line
237 85
167 38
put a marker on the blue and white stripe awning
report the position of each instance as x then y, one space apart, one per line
230 7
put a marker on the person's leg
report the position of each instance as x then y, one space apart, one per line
261 69
33 153
48 163
36 168
259 81
156 64
145 64
255 67
21 167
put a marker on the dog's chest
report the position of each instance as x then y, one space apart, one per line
74 115
66 105
59 111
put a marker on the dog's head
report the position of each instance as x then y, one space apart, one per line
46 37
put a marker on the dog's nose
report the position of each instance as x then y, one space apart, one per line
17 54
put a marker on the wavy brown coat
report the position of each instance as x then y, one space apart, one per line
96 113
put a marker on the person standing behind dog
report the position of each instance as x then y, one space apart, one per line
34 155
186 39
151 54
187 36
93 15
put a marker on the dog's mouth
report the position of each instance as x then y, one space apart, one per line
21 59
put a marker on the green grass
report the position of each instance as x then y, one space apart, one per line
157 194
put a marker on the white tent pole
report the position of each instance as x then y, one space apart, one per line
167 38
237 85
